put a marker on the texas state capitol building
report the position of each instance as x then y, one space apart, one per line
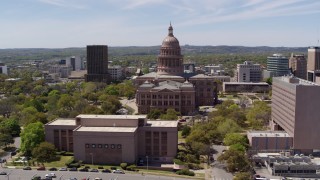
170 87
113 139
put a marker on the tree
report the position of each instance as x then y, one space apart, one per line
6 107
66 102
234 138
10 126
5 139
111 105
44 152
171 114
31 136
269 80
242 176
236 160
186 131
260 113
154 114
228 126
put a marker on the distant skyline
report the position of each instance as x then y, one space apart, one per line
77 23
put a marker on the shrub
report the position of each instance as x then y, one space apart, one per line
68 154
70 161
124 166
178 162
131 167
100 167
194 166
74 165
185 172
113 168
87 167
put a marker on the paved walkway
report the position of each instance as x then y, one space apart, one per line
131 103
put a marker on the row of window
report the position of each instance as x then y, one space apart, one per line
165 103
159 96
106 146
295 171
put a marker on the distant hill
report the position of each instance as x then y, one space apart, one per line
7 55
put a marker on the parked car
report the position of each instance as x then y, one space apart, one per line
73 169
53 169
83 170
36 178
42 168
106 171
97 178
63 169
118 171
27 168
50 175
94 170
3 173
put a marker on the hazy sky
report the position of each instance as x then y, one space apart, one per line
77 23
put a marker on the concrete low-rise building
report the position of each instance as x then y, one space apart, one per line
284 164
259 87
113 139
269 141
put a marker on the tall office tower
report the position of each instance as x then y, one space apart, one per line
298 66
248 72
97 63
170 60
295 109
277 65
3 69
313 66
75 62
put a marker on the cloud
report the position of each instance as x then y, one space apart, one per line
132 4
64 3
251 9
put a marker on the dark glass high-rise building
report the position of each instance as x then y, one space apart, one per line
97 63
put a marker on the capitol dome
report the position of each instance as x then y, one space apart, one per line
170 60
170 40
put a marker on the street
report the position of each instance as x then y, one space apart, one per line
19 174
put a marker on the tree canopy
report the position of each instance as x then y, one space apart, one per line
31 136
44 152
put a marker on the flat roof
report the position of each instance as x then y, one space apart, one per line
112 116
268 134
65 122
247 83
162 123
107 129
295 81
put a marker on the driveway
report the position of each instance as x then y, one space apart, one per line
217 170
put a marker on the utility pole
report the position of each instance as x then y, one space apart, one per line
147 163
91 158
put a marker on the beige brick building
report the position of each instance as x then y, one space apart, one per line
112 139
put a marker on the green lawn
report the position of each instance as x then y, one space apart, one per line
169 173
61 163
